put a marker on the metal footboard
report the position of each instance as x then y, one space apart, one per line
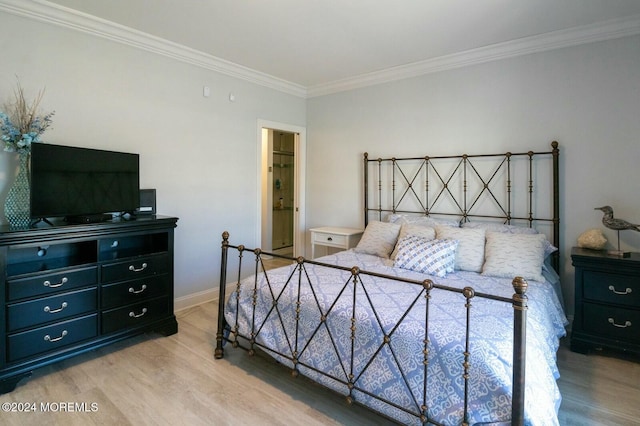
358 278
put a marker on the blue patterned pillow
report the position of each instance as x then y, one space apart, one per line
433 257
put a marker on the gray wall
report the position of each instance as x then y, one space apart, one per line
199 153
586 97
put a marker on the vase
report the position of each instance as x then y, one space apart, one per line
17 205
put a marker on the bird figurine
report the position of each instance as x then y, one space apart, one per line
616 224
612 223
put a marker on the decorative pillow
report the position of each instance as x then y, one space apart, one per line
500 227
510 229
433 257
511 255
420 220
407 229
470 252
378 238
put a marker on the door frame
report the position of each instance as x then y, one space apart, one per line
299 223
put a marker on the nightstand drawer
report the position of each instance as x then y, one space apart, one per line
128 292
135 268
616 323
49 309
611 288
134 315
52 337
51 283
329 239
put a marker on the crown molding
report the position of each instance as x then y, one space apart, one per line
601 31
44 11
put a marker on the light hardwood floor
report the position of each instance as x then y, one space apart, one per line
155 380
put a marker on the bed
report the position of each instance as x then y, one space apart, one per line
449 310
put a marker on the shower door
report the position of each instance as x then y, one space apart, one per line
283 191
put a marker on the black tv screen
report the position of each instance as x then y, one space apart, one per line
71 181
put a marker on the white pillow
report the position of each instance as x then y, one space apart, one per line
433 257
470 252
407 229
420 220
510 229
379 239
500 227
511 255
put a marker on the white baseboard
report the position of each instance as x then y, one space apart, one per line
194 299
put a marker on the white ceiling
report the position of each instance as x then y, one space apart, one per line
315 43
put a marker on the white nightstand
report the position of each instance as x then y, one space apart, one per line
331 236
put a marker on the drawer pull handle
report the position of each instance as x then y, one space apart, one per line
133 314
60 284
55 339
134 269
626 291
329 239
143 288
55 311
625 325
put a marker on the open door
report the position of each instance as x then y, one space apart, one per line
281 226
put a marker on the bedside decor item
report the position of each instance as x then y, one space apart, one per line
592 239
21 125
618 225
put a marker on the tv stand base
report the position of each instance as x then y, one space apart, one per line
88 218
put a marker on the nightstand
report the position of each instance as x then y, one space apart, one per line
607 301
330 236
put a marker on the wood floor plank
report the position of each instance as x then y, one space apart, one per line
156 380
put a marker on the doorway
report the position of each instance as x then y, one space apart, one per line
281 171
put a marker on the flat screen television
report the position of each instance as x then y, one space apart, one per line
82 184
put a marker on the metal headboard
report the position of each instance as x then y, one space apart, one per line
510 188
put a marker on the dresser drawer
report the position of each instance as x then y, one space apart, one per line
134 315
51 338
327 239
52 308
125 293
611 288
135 268
615 323
50 283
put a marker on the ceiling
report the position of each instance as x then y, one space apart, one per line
315 43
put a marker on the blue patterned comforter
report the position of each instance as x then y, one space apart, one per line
395 371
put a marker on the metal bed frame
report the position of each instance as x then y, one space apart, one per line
439 196
429 197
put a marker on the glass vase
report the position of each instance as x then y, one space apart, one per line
17 205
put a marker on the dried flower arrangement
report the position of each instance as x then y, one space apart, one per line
22 123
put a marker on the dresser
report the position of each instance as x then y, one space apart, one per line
607 301
68 289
